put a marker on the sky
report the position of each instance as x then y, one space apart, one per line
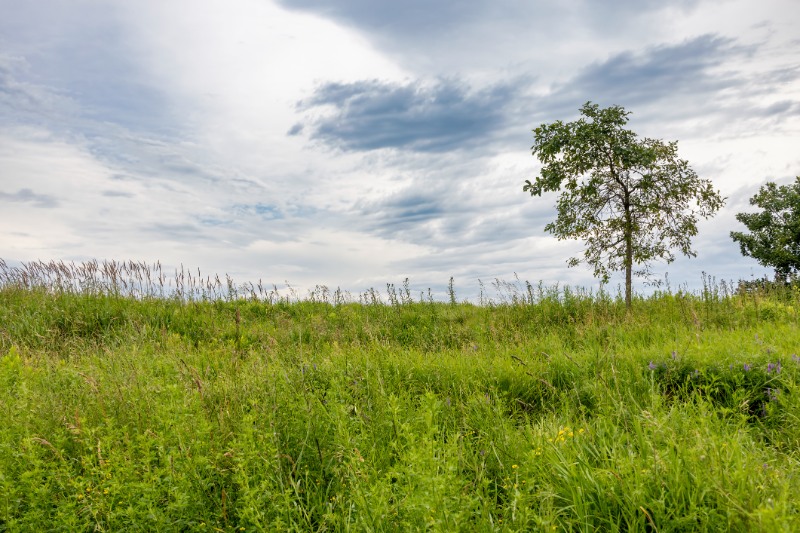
355 143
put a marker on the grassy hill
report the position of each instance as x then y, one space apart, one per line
557 410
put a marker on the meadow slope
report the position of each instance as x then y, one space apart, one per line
560 411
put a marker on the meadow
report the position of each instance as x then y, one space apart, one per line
205 406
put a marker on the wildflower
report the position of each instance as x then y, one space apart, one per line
105 491
514 467
746 367
795 358
774 367
674 355
772 394
652 366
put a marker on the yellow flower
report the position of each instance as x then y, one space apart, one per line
105 491
514 466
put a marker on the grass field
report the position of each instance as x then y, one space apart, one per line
127 408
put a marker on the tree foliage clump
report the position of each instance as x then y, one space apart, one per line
774 240
630 200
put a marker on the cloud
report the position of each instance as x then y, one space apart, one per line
76 61
27 196
117 194
661 71
413 20
663 83
371 115
409 18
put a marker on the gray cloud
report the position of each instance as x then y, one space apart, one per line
452 115
372 114
117 194
80 57
409 18
418 23
663 71
27 196
668 83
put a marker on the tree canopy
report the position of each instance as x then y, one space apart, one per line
630 200
775 238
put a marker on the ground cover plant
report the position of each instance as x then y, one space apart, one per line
211 407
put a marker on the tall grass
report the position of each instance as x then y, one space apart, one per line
131 407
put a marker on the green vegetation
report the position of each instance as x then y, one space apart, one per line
552 409
631 201
775 238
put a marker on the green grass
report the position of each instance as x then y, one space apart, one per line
556 410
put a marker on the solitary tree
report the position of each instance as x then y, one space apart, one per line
775 238
631 201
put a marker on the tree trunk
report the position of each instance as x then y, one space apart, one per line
628 250
628 270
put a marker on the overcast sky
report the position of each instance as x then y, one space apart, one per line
358 142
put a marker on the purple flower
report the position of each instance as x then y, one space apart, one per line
772 394
746 367
774 367
674 354
795 358
652 366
